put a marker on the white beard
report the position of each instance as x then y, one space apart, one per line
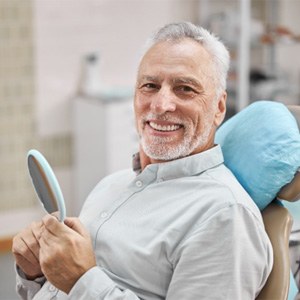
159 149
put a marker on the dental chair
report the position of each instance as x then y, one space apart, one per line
278 223
277 219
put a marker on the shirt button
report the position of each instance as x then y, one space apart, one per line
103 214
52 288
138 183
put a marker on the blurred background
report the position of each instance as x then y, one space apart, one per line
67 73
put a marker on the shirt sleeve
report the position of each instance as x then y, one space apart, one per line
27 289
95 284
229 257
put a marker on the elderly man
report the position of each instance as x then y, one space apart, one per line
179 226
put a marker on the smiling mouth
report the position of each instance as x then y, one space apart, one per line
164 128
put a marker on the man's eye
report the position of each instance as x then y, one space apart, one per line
185 89
148 87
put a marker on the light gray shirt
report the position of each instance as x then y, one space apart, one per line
179 230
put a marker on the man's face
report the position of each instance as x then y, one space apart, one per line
175 102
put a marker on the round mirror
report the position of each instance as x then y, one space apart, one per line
46 184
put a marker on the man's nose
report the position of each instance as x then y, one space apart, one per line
163 101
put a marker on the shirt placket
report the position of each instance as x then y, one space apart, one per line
136 186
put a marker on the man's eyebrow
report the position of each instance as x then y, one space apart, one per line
187 80
149 78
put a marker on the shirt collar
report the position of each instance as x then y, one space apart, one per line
186 166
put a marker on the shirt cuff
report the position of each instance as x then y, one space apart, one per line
91 285
27 288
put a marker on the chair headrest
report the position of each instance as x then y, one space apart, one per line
261 146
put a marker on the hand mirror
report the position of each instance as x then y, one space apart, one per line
46 184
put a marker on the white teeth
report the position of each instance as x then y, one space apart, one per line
164 128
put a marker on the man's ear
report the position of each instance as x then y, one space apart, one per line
221 109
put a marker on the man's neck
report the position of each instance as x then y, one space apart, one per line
144 159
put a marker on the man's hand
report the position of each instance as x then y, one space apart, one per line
66 252
26 249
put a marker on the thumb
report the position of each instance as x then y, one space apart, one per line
76 225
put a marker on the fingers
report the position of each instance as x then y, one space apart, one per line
30 249
57 228
55 231
37 229
56 214
76 225
26 249
52 225
26 242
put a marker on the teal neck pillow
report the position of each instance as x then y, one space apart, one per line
261 146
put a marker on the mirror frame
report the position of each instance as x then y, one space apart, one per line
50 181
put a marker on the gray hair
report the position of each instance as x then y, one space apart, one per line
220 55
